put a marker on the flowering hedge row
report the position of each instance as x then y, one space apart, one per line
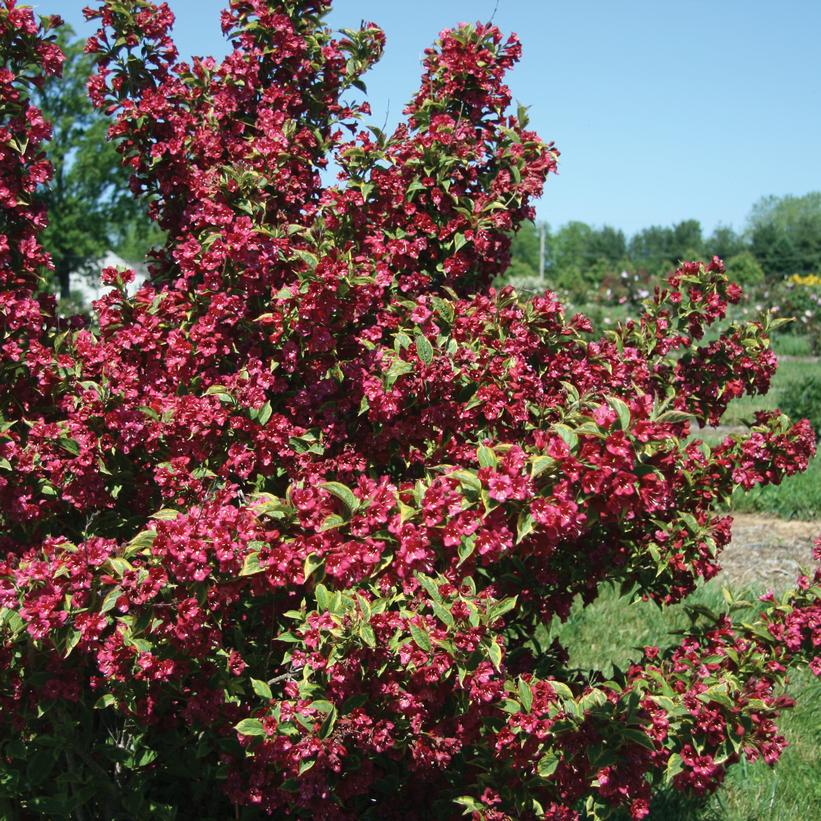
281 530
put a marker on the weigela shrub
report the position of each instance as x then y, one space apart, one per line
281 532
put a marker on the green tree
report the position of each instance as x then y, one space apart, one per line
607 244
688 242
656 247
744 268
570 245
724 242
91 209
650 246
525 249
785 233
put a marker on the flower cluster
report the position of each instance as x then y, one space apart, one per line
807 280
281 531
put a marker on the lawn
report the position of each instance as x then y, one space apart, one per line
610 631
798 497
792 345
789 371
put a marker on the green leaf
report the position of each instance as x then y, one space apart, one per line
569 436
430 586
221 392
572 391
674 767
540 464
119 565
674 416
638 737
343 493
328 724
312 562
12 621
111 599
406 512
466 548
486 456
443 614
331 522
73 641
500 608
525 695
364 606
420 636
368 635
524 525
547 765
691 522
141 541
40 765
70 445
495 654
323 597
424 349
398 368
264 413
622 411
165 515
359 700
261 688
595 698
467 479
561 689
250 726
107 700
307 257
251 565
718 694
470 804
401 341
306 765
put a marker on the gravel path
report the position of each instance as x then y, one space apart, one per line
767 552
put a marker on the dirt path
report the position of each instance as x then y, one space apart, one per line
767 552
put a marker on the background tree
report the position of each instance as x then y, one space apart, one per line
688 242
724 242
744 269
525 249
608 244
91 209
785 233
783 237
656 248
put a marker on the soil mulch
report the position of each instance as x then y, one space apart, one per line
767 552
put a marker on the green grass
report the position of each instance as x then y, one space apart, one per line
610 632
742 410
792 789
797 497
792 345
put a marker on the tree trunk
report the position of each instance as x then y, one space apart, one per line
64 278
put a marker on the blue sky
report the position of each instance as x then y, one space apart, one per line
663 111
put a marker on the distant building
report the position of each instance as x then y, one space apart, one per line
87 287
